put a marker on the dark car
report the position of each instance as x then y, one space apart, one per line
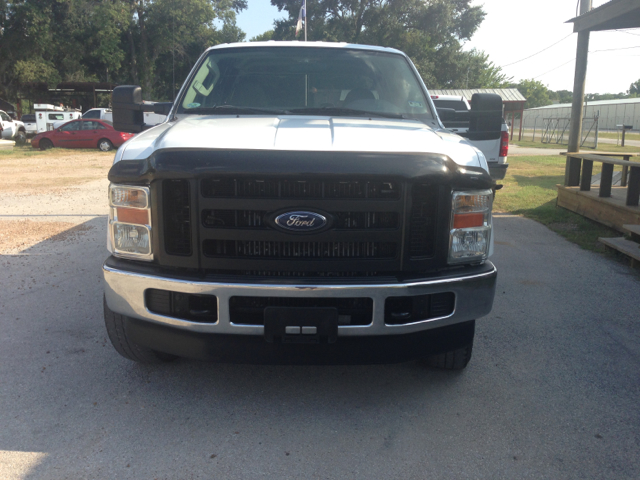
82 134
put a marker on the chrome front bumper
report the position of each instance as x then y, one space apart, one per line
125 286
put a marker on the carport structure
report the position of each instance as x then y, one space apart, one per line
512 101
610 205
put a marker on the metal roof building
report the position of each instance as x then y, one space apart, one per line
512 100
610 113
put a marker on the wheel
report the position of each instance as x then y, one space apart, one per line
105 145
21 138
45 144
454 359
124 346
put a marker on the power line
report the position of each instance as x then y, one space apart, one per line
572 59
612 49
546 48
556 68
628 33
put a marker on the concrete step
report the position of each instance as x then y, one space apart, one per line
634 230
627 247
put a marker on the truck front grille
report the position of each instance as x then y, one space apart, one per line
424 209
376 225
256 219
298 188
176 201
301 250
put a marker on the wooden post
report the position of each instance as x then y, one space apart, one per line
625 169
513 124
572 172
585 181
582 54
606 179
633 190
521 118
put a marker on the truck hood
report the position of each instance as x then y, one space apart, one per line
300 133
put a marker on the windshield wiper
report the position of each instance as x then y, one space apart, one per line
340 111
233 109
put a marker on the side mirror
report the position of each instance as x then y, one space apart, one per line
127 108
486 113
127 104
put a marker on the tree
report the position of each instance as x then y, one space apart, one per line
536 93
634 88
145 42
431 32
263 37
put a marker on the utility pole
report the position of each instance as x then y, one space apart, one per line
572 170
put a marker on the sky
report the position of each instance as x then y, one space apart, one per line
513 30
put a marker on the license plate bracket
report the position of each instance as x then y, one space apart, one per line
301 324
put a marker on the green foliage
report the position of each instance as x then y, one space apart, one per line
536 93
263 37
591 97
121 41
36 70
431 32
634 88
561 96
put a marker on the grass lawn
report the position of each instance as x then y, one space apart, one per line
627 136
602 147
530 190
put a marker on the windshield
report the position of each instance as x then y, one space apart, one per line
305 81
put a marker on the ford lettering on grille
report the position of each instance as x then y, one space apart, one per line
301 221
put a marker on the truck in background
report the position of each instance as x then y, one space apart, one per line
455 113
50 117
11 129
150 118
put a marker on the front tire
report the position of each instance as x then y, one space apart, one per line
45 144
105 145
115 324
456 359
21 138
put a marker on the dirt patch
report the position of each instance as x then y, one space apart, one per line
28 172
18 235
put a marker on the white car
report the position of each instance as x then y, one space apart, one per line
12 129
303 203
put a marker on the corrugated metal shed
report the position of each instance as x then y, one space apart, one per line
508 95
610 113
617 101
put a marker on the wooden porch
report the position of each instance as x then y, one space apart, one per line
610 211
603 201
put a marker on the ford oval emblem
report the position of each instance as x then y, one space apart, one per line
301 221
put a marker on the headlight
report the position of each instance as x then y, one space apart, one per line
130 222
470 226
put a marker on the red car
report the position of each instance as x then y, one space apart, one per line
82 134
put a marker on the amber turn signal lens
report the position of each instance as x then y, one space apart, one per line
133 215
468 220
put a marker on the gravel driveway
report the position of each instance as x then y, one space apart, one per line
552 391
